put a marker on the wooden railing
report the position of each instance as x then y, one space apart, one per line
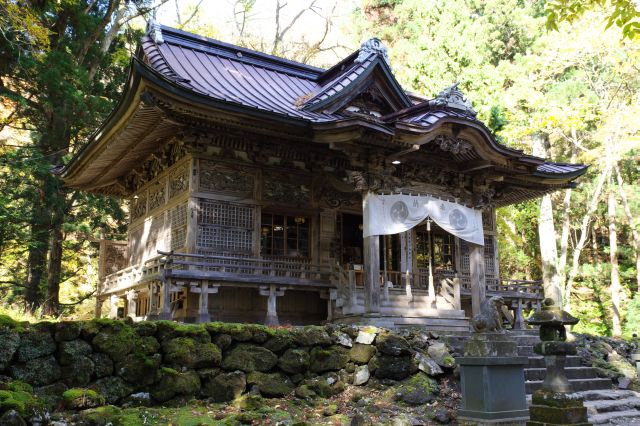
124 278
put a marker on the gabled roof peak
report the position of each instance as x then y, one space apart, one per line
452 97
372 46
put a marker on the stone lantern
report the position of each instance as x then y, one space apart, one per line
553 404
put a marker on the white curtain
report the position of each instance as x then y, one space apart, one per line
395 213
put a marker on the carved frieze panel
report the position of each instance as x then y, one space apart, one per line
219 178
116 257
453 145
286 189
331 192
157 195
178 181
139 206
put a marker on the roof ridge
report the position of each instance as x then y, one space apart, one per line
238 53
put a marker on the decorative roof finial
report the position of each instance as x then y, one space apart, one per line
154 31
452 97
375 46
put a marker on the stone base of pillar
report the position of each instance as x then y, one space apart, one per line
271 320
165 316
203 317
557 408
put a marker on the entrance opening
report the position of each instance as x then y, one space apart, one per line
349 229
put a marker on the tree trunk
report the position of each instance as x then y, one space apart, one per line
584 232
566 225
615 287
52 303
632 224
547 234
38 245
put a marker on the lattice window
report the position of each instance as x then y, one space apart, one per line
178 221
489 256
225 226
465 263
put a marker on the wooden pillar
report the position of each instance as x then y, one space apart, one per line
165 310
406 261
478 281
153 301
132 302
372 274
272 313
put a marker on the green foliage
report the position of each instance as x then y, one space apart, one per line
622 13
632 325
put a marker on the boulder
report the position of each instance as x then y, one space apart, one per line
361 354
148 345
440 354
428 365
332 358
9 342
102 416
69 351
294 361
327 385
138 369
34 344
223 341
312 335
80 399
361 375
12 418
418 389
174 383
393 345
279 342
343 339
67 330
37 372
238 332
78 372
102 365
395 368
112 388
187 352
116 340
272 385
225 386
50 395
247 357
367 335
18 396
145 328
167 330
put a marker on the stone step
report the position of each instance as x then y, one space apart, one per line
525 351
572 373
608 394
526 340
577 385
628 417
609 405
538 362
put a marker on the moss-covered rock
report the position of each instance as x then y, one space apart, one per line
312 335
9 342
34 344
281 341
418 389
187 352
102 365
116 340
241 332
50 395
294 361
79 372
101 416
145 328
361 354
67 330
167 330
247 357
390 344
139 369
174 383
223 341
332 358
440 354
112 388
38 372
18 396
395 368
272 385
12 418
147 345
80 399
304 392
69 351
327 385
225 386
208 373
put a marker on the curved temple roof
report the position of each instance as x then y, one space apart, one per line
207 72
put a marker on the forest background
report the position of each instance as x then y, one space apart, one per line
556 79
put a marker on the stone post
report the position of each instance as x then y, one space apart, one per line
153 302
272 313
554 404
165 310
492 374
203 301
113 306
132 303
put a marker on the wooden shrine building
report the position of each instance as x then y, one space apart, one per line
246 174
